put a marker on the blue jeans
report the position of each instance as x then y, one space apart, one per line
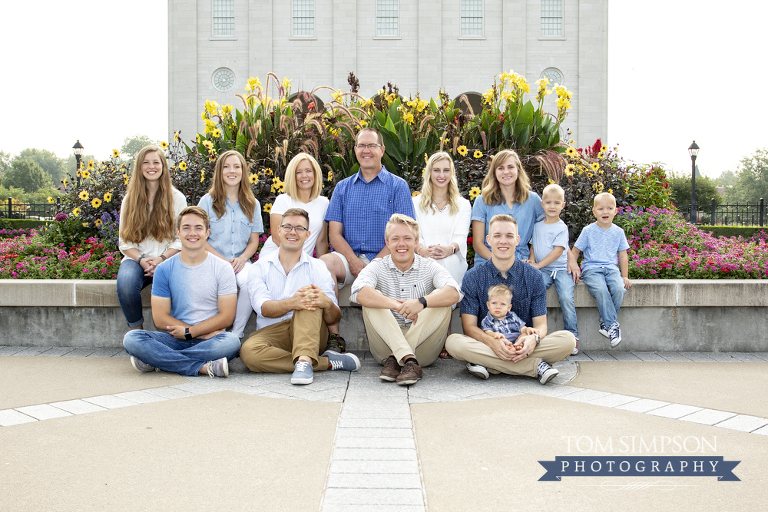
130 281
607 287
163 351
564 285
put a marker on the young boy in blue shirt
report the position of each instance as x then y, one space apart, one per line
549 254
602 242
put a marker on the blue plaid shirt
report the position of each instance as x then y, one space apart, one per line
529 294
363 208
509 326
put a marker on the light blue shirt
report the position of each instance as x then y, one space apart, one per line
267 280
601 246
230 233
545 238
526 215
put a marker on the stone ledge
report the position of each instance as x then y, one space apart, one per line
644 293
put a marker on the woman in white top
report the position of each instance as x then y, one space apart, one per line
443 216
147 235
303 184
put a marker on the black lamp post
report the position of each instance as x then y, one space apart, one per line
693 150
78 155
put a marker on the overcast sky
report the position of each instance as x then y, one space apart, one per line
678 70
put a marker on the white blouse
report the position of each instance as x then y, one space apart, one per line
149 247
316 210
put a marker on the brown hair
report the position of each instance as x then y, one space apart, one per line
194 210
491 189
379 138
140 219
244 194
296 212
502 217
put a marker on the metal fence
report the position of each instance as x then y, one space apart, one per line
13 209
727 214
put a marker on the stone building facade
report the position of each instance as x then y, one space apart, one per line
420 45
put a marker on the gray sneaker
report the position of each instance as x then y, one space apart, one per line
141 366
576 348
479 371
347 362
218 368
302 373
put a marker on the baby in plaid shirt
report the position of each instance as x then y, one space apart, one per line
500 318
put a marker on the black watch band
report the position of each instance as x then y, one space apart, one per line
187 336
423 301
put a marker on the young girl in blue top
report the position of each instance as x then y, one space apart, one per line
235 225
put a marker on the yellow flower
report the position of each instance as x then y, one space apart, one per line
601 155
569 169
253 83
589 175
202 176
408 118
125 179
95 202
76 212
610 191
203 115
267 207
212 156
488 96
478 154
208 144
198 138
50 199
415 193
626 191
277 185
462 150
595 166
363 122
338 96
267 172
286 83
164 145
253 178
115 153
183 166
97 223
90 165
217 133
64 182
176 136
85 174
108 197
83 195
473 193
572 152
330 175
85 224
603 148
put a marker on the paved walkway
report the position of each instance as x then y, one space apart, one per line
375 462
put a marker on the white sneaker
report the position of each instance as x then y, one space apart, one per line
479 371
546 372
576 348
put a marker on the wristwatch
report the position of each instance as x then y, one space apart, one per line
188 336
537 338
423 301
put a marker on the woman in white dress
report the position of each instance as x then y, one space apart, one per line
303 184
443 217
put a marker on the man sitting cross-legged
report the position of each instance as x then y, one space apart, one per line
194 296
294 301
406 303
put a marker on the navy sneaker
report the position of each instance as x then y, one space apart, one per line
546 372
614 334
603 329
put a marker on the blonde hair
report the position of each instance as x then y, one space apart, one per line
194 210
491 189
426 188
499 290
292 188
140 219
553 188
399 218
244 193
604 195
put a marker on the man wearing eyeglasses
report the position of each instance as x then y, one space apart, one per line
293 296
359 210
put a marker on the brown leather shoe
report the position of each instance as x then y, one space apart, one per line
410 373
391 370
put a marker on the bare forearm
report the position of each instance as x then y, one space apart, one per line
624 264
372 298
278 308
442 297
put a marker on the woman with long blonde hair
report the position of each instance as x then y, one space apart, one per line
506 190
236 224
443 216
147 229
303 185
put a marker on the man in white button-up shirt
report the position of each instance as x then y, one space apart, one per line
292 294
406 303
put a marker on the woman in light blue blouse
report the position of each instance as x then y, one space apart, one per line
235 225
506 189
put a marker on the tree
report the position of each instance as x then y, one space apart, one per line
26 174
5 163
751 181
48 161
132 145
705 190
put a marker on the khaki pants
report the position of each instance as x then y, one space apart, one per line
555 347
275 348
424 339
